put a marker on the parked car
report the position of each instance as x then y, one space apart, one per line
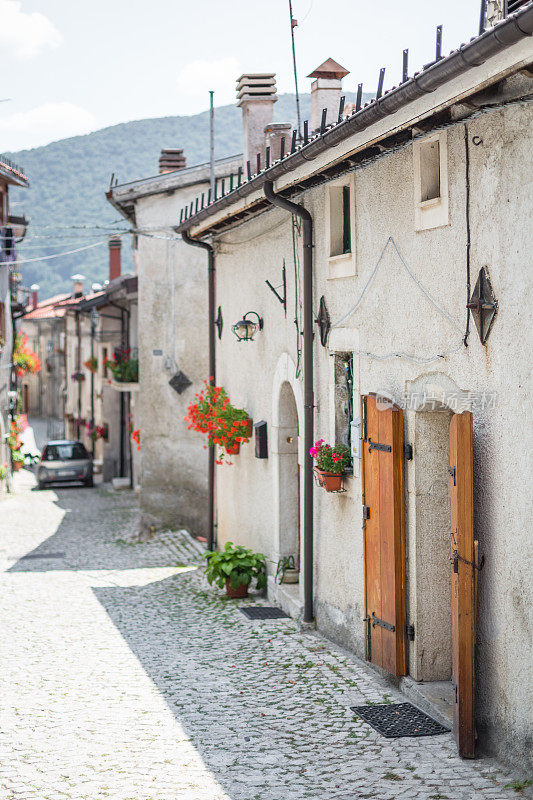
64 461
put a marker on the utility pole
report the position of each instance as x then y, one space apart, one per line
212 144
294 24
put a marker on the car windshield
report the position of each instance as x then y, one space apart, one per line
71 451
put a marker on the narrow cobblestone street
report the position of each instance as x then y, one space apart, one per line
124 676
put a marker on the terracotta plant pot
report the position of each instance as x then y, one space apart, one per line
17 465
233 450
248 431
329 481
236 594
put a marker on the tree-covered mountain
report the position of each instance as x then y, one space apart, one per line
69 178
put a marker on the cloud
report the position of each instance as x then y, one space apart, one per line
44 124
25 34
197 78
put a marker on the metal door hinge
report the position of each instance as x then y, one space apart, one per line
384 448
381 623
410 632
451 470
408 452
366 512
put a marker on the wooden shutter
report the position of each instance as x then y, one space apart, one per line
384 535
463 580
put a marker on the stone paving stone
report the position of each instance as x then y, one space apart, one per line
127 677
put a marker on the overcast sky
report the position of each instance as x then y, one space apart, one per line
71 67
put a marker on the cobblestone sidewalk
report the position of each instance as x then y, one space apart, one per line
123 676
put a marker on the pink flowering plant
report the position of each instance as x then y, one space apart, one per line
330 459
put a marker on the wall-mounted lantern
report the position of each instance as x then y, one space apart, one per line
246 329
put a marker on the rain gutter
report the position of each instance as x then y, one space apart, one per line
307 227
212 364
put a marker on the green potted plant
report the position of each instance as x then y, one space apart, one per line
330 464
18 460
235 567
286 571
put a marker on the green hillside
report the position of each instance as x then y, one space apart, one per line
68 180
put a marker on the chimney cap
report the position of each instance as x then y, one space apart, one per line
171 159
329 69
78 277
115 241
258 86
34 287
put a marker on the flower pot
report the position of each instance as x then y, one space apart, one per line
329 481
248 431
291 576
234 449
17 465
236 594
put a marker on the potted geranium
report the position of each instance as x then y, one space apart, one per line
94 432
25 361
235 567
225 425
78 376
18 460
91 364
330 464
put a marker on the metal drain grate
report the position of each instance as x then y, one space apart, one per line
264 612
394 720
42 555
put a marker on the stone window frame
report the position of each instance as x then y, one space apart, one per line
433 212
341 265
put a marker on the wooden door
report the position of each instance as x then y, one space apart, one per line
463 580
384 535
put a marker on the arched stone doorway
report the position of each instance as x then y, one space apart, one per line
286 445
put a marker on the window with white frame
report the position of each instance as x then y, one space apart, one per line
340 228
430 171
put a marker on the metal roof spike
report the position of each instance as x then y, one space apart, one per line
380 83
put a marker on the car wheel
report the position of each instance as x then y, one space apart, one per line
89 482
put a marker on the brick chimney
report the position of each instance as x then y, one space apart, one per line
78 284
115 244
256 96
171 160
34 288
326 91
274 133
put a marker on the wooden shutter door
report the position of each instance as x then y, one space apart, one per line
384 535
463 580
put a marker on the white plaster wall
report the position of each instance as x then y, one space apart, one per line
172 316
395 317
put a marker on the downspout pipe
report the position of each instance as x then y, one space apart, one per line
307 225
212 364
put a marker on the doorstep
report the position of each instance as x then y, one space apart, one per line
286 596
119 484
433 697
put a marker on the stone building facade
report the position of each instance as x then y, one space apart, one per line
419 205
172 320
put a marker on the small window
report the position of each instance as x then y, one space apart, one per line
340 239
343 397
429 171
